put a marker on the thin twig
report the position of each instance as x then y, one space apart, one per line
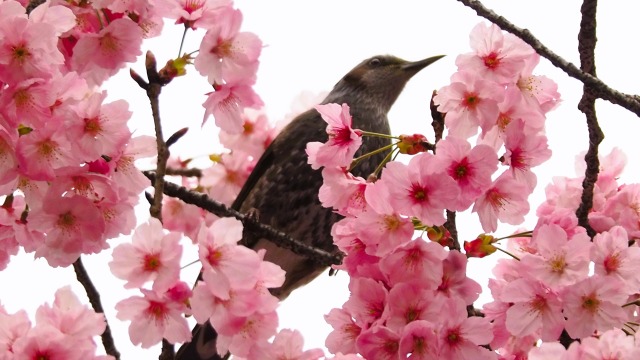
281 239
193 172
599 88
586 47
94 299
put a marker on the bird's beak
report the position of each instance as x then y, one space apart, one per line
413 67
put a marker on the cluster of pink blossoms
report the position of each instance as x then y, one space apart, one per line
233 296
66 157
409 296
64 330
562 281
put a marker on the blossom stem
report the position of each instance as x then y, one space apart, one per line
368 133
522 234
189 264
184 35
506 252
355 161
634 302
384 161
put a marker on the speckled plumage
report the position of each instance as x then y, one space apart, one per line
283 189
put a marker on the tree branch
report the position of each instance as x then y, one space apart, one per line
599 88
94 299
586 47
281 239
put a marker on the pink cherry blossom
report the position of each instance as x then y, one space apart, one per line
180 216
73 226
152 256
123 169
226 54
505 200
288 344
497 56
224 179
408 302
471 168
28 103
12 328
194 14
153 318
613 257
99 56
538 91
380 228
342 191
419 190
255 136
344 334
379 342
611 344
455 284
536 310
560 261
343 140
254 329
227 103
367 301
593 304
44 150
419 341
524 151
459 335
46 342
417 261
218 251
469 102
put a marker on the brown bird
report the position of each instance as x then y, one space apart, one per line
283 189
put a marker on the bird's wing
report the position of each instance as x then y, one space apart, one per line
263 164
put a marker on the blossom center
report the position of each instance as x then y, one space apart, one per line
21 53
557 264
590 303
612 263
419 193
151 262
471 100
491 61
391 222
92 126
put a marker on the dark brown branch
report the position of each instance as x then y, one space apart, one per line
437 121
281 239
450 225
94 299
586 47
599 88
193 172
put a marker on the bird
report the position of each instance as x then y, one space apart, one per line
282 189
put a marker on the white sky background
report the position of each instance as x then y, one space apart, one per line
310 45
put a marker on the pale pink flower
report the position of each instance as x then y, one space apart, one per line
419 190
623 209
460 336
536 310
497 56
593 304
253 329
505 200
224 179
28 103
538 92
417 261
28 50
343 140
549 350
46 342
123 169
73 225
611 344
367 301
419 341
44 150
342 191
218 251
153 318
12 327
559 261
471 168
380 228
60 17
151 256
469 102
613 257
227 55
379 343
227 104
180 216
288 345
455 284
408 302
193 13
255 136
98 56
74 319
98 129
8 161
524 151
344 334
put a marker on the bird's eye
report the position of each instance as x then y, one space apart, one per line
375 62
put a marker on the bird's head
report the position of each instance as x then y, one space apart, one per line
379 80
